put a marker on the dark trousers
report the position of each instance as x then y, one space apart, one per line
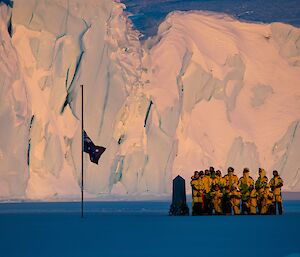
226 204
279 206
197 209
244 207
208 207
259 205
272 209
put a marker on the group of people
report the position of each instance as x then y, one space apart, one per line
214 194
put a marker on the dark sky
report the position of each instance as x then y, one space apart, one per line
148 14
7 2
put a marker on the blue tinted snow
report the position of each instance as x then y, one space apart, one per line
138 229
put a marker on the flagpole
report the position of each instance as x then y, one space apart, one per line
82 148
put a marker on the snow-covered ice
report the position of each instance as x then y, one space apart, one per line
206 90
114 229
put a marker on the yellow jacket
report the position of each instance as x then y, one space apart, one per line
253 198
221 182
197 190
244 183
207 183
261 183
230 180
276 183
235 198
217 200
268 199
252 202
214 181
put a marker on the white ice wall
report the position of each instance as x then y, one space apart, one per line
15 114
237 85
222 92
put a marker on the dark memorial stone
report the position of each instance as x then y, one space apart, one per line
179 206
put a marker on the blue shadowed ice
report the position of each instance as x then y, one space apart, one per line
137 229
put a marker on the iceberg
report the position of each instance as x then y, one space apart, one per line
207 90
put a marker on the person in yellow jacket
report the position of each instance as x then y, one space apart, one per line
260 186
220 180
276 184
207 181
244 183
197 194
214 179
229 180
217 196
267 201
193 180
221 184
207 190
252 201
214 182
235 199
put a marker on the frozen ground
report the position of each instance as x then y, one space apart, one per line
141 229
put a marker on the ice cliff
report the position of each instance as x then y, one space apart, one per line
207 90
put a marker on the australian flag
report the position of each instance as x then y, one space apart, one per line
93 150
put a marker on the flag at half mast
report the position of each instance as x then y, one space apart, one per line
93 150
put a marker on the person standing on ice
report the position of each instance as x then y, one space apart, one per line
267 203
197 194
194 190
260 186
276 184
252 201
217 196
214 179
221 183
220 180
207 190
244 183
235 198
230 179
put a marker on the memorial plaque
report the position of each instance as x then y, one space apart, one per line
179 206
